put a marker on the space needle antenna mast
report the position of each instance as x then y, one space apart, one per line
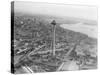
53 23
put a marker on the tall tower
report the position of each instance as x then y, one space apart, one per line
53 36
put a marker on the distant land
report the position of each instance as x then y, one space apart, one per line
59 19
88 27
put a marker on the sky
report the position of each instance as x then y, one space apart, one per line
64 10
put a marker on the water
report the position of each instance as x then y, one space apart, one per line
90 30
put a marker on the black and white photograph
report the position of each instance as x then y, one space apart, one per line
50 37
